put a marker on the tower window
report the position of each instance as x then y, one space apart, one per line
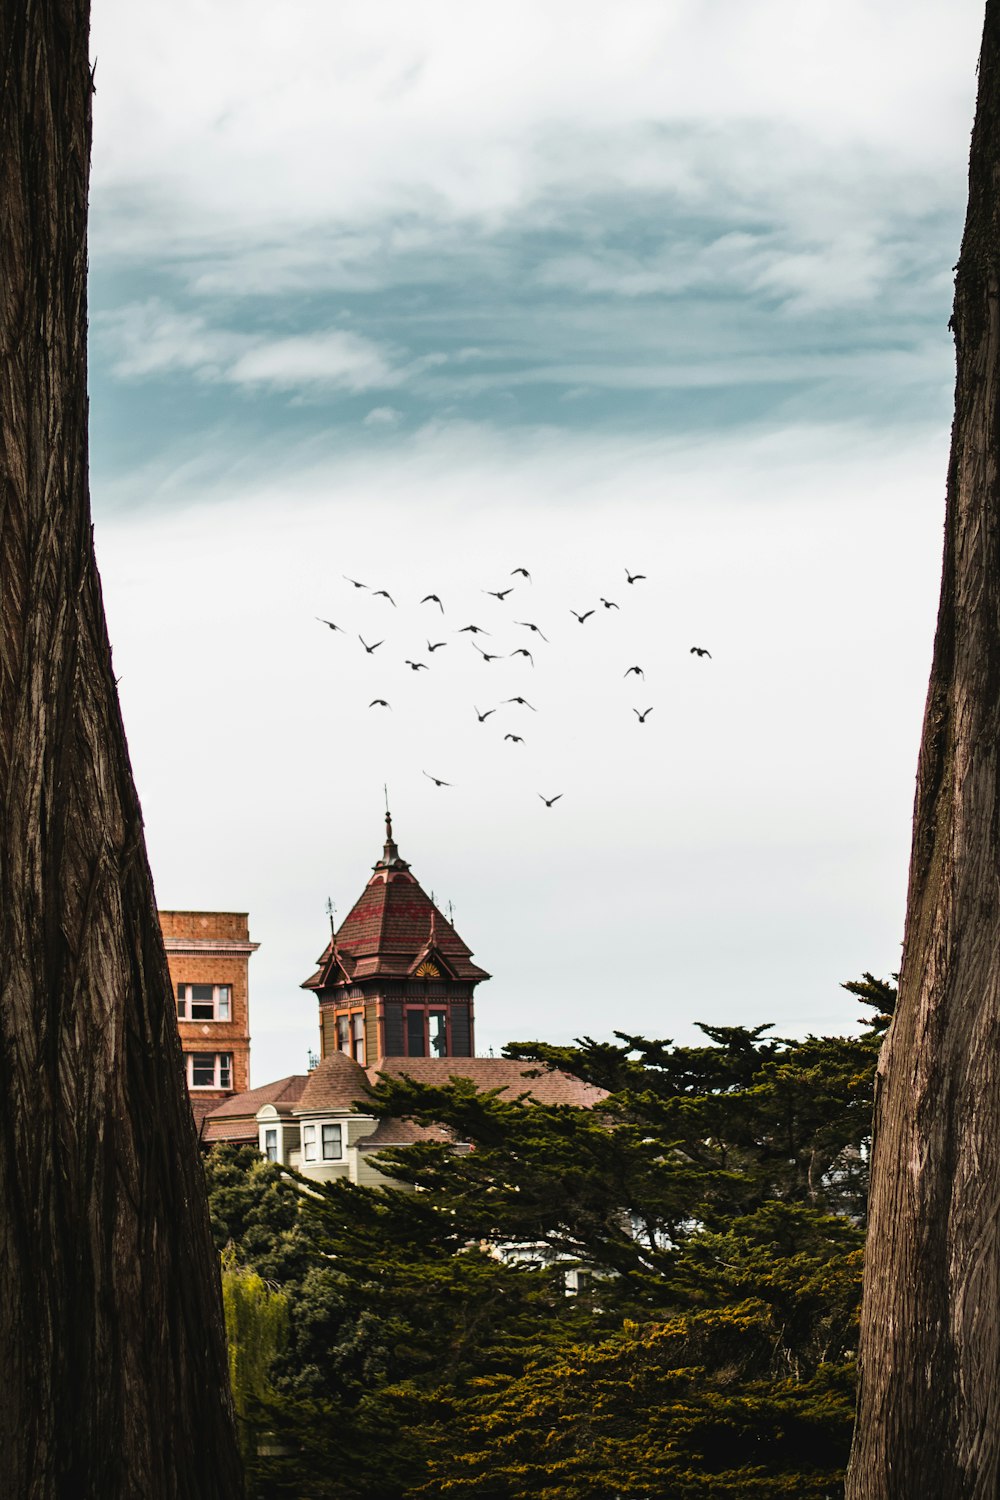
344 1034
415 1045
437 1023
204 1002
333 1149
358 1037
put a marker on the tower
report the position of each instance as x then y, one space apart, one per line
208 953
395 980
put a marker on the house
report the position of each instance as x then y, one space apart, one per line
395 987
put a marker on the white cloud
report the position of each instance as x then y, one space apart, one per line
277 135
147 338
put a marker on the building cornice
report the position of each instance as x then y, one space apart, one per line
233 947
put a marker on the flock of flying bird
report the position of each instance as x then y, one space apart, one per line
521 651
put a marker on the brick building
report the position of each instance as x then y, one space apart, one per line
208 953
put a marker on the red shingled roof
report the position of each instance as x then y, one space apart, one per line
392 925
545 1085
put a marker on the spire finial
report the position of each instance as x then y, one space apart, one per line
331 913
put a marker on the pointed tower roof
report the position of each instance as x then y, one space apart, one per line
392 928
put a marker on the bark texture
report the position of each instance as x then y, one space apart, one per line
929 1399
112 1352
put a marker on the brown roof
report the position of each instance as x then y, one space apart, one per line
215 1129
200 1108
391 1132
545 1085
336 1083
392 925
285 1091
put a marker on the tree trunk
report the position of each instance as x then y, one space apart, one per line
111 1347
929 1398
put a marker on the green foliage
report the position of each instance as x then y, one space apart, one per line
713 1206
256 1325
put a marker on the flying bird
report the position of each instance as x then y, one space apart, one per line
583 617
328 622
549 800
357 585
634 577
382 594
515 737
379 703
523 572
523 651
637 670
416 665
500 594
486 655
368 648
433 599
523 702
483 717
532 627
701 651
436 646
476 630
642 716
436 780
609 604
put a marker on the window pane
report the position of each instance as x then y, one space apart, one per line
181 1007
344 1033
202 1011
201 992
414 1033
223 1002
439 1033
225 1071
271 1144
203 1069
332 1146
309 1142
358 1027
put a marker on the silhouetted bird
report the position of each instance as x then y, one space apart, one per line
416 665
486 655
433 599
609 604
535 628
581 618
523 572
357 585
436 780
633 577
523 702
381 594
549 800
500 594
436 646
327 622
523 651
642 716
379 703
700 651
515 737
476 630
637 670
368 648
483 717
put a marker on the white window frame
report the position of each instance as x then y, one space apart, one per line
222 1077
221 1002
309 1143
271 1142
336 1141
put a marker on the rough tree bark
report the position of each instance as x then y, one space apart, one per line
929 1398
114 1380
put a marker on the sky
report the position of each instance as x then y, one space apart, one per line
419 293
